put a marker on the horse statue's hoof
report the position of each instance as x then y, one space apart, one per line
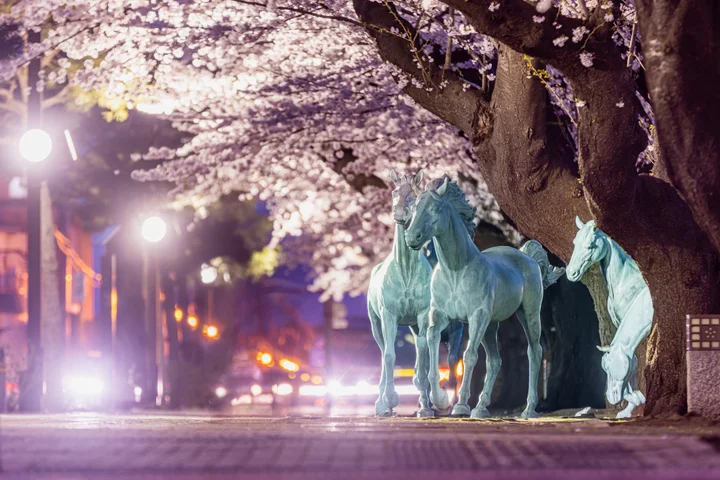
385 414
529 414
480 412
441 400
426 413
461 410
391 399
626 413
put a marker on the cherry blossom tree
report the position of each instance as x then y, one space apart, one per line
270 119
592 108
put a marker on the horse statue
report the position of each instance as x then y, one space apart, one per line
399 295
478 288
629 305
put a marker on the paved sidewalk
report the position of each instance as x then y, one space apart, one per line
192 447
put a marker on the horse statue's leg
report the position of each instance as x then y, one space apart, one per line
633 396
376 327
389 332
529 316
421 367
438 322
492 368
478 323
454 345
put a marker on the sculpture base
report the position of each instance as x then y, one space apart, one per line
703 365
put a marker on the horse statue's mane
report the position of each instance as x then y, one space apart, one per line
457 199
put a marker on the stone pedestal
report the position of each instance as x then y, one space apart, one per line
703 365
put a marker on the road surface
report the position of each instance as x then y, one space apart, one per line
164 446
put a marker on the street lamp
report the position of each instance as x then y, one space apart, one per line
208 274
35 145
154 229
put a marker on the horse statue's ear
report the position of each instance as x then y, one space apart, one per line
578 222
443 188
419 178
394 177
604 349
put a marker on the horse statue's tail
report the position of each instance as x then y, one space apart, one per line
550 273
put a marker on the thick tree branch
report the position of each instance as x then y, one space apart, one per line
441 92
681 45
607 89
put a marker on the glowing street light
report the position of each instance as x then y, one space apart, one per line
208 274
212 331
178 314
35 145
289 365
265 358
192 321
154 229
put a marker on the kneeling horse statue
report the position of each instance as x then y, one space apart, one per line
629 305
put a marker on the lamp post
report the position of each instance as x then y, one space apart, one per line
35 146
154 230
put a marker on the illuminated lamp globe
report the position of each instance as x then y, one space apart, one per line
208 274
35 145
154 229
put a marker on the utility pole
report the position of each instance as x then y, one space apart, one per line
31 394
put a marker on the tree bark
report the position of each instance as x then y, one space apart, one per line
681 45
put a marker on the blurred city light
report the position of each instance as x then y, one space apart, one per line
178 315
211 331
221 392
84 386
256 390
460 369
313 390
265 358
208 274
35 145
154 229
305 377
316 379
192 321
282 389
138 394
289 365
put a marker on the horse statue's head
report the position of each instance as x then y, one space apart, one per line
619 366
433 212
407 188
590 247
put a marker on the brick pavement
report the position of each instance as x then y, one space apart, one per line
189 447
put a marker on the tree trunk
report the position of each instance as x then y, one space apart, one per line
53 318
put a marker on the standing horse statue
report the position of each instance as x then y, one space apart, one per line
399 295
478 288
629 305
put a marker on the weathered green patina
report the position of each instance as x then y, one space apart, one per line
399 295
478 288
